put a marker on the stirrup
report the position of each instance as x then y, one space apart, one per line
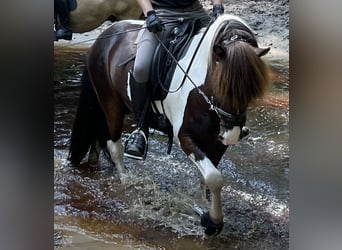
136 157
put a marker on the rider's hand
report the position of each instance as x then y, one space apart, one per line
218 9
153 23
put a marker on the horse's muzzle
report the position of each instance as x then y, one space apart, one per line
229 137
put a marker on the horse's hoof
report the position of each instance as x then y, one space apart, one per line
244 132
211 227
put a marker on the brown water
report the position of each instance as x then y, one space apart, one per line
154 209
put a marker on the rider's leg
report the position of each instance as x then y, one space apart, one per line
62 9
136 146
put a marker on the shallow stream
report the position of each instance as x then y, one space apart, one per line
154 209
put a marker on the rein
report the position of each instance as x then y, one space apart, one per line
233 120
186 75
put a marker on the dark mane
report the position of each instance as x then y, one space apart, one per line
236 74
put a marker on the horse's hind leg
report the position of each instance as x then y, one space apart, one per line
115 150
94 152
115 120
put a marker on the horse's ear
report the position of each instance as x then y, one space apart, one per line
261 51
219 51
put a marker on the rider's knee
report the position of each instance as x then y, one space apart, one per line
141 73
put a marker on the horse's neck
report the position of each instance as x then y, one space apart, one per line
196 72
175 103
199 67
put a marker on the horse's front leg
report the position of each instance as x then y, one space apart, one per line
212 221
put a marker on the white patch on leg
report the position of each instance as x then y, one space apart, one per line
116 153
214 181
212 177
231 136
129 86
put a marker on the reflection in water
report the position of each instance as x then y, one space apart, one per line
153 209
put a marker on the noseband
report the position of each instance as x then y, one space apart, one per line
227 120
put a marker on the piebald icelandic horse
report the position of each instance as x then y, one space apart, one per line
90 14
207 113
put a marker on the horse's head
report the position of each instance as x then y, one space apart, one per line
236 76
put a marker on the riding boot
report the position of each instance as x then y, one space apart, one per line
136 144
62 9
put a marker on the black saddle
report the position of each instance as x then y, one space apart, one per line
163 65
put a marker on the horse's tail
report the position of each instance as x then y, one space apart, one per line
89 124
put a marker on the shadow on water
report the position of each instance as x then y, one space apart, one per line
153 209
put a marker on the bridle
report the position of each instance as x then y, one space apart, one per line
227 120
